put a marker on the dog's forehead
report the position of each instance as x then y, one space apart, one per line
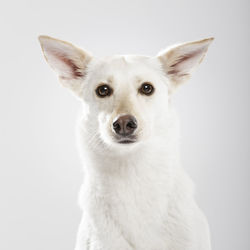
125 60
126 66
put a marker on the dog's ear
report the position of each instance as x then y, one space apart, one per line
179 61
68 61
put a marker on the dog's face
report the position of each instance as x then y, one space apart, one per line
127 96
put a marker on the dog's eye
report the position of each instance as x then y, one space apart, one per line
146 88
103 90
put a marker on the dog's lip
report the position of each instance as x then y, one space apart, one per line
126 141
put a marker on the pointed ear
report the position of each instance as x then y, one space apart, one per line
68 61
179 61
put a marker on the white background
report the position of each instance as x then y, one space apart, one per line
40 170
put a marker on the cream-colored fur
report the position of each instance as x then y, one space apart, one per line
136 195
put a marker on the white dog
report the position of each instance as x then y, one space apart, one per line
135 194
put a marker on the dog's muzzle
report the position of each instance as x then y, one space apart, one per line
124 128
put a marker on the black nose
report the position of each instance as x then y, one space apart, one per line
125 125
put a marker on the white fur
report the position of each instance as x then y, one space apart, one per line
134 196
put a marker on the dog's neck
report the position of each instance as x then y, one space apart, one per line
154 165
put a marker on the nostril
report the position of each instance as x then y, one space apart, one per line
116 126
131 125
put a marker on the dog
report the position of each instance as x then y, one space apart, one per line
135 194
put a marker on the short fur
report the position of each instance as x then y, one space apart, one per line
134 196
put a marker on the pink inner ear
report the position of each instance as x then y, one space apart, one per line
66 64
185 63
76 71
174 67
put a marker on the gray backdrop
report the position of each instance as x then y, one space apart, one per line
40 171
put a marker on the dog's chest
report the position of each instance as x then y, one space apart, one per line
139 207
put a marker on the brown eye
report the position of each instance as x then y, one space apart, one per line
146 89
103 90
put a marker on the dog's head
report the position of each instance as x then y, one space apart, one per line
127 97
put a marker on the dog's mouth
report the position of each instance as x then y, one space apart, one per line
126 140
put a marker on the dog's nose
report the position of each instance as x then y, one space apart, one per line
125 125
